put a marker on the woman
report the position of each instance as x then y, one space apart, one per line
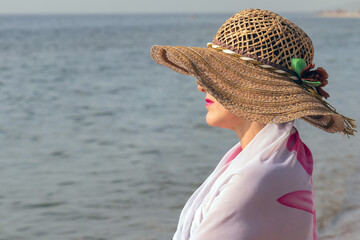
257 77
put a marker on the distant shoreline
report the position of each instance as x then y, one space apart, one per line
339 14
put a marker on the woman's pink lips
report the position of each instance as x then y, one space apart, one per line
208 102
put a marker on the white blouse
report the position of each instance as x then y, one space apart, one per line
264 193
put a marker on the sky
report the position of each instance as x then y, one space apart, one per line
168 6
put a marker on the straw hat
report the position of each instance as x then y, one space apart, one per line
258 66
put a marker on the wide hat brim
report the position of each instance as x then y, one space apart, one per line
247 90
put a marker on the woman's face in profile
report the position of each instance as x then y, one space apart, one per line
218 116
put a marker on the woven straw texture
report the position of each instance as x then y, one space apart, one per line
265 36
249 90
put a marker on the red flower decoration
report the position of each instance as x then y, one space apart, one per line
318 75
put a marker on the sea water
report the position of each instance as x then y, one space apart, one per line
99 142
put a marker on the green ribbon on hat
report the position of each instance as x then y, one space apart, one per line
299 65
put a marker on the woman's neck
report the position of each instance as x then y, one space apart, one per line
246 132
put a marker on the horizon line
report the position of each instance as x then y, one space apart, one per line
140 13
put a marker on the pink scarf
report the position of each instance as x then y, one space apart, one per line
264 193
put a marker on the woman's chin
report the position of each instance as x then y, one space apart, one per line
211 121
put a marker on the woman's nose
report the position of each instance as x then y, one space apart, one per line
200 88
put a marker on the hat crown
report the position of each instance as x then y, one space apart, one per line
265 36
